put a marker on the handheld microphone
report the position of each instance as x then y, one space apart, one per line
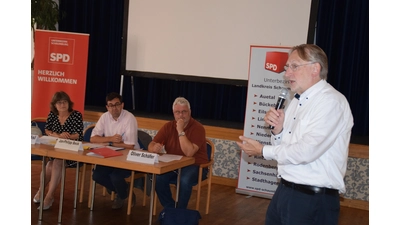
281 100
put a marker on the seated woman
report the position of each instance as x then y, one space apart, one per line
62 122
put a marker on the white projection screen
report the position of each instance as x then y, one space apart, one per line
209 38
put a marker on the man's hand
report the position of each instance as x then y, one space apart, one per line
155 147
250 146
158 148
180 125
116 138
275 118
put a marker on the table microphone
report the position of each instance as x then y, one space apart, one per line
281 100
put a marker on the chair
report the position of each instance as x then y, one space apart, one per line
201 182
207 180
88 132
144 140
40 122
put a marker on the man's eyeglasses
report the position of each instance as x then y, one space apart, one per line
62 102
294 67
183 112
114 106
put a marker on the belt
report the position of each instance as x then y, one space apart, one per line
311 190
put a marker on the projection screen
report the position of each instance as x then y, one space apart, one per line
210 38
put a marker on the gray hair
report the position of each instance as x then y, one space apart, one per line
180 101
313 53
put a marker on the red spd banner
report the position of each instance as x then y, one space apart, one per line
275 61
60 65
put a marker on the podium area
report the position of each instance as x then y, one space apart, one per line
226 207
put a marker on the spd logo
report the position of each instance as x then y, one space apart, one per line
58 57
275 61
61 51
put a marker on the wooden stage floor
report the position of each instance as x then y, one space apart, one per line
226 207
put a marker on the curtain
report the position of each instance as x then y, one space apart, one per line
342 32
102 20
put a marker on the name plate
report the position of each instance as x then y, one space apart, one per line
142 157
34 138
69 145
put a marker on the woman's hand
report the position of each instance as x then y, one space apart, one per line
65 135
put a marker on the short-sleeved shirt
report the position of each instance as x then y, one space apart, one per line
194 131
73 124
125 125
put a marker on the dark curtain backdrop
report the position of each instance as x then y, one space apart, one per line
342 32
102 20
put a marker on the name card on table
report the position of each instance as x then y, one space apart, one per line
34 138
69 144
142 157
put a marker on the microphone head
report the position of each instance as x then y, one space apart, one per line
283 93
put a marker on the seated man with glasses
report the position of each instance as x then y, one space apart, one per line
182 136
116 127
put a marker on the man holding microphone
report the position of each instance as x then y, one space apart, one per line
309 142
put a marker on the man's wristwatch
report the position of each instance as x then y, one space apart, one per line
181 134
110 143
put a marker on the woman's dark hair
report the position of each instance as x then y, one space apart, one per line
58 96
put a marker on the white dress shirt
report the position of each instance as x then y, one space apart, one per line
126 125
312 148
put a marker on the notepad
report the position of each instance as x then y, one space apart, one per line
115 148
104 152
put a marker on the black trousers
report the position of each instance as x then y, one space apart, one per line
292 207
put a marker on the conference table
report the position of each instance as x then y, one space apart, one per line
116 162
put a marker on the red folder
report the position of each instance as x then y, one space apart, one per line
104 152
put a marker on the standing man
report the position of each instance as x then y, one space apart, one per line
310 143
182 136
116 127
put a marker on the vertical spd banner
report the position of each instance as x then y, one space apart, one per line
60 64
257 176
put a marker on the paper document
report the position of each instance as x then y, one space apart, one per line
88 146
47 140
168 157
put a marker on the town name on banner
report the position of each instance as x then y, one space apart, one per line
257 176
